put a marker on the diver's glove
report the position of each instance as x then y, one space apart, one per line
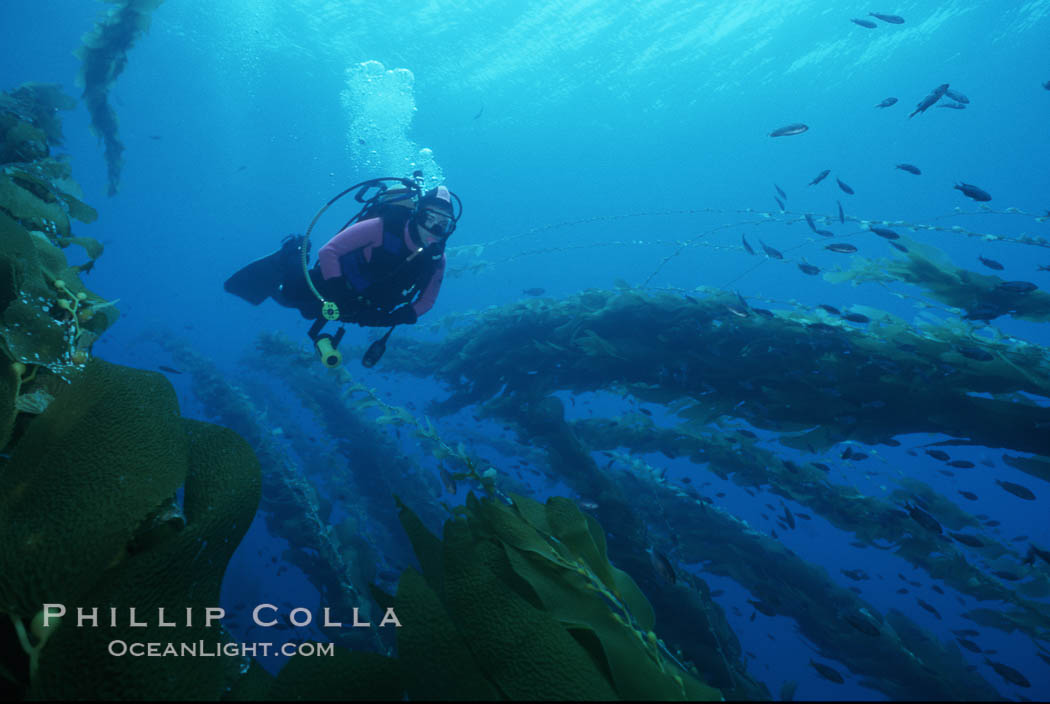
405 315
334 289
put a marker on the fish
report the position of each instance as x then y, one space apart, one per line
953 106
762 607
763 312
991 524
892 19
1034 552
858 456
910 168
588 505
856 575
662 566
747 247
856 318
746 433
930 99
864 23
789 130
1017 286
1008 576
899 246
841 247
975 353
842 215
534 291
820 177
957 96
885 233
845 187
967 540
809 221
831 309
887 102
1009 674
923 519
984 311
938 455
827 673
169 370
825 233
821 466
780 191
902 590
804 516
971 191
779 202
929 608
969 645
448 482
937 589
787 516
1042 656
847 453
969 632
775 254
990 263
862 623
479 112
1047 85
808 268
962 464
1019 539
1021 492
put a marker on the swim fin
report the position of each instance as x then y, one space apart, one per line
261 279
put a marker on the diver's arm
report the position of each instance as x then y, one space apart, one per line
364 234
429 296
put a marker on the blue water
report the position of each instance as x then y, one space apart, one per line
540 113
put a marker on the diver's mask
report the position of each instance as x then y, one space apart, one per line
437 222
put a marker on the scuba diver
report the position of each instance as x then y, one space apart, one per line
382 269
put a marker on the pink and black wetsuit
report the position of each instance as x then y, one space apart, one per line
373 257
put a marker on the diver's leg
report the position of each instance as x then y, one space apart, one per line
262 278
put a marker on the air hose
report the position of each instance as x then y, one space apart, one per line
329 310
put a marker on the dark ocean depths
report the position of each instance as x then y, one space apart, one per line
631 148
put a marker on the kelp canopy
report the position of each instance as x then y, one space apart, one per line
808 375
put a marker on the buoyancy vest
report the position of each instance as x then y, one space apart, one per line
392 276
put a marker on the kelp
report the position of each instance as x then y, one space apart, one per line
815 379
875 522
289 500
49 320
781 580
978 296
36 105
103 56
